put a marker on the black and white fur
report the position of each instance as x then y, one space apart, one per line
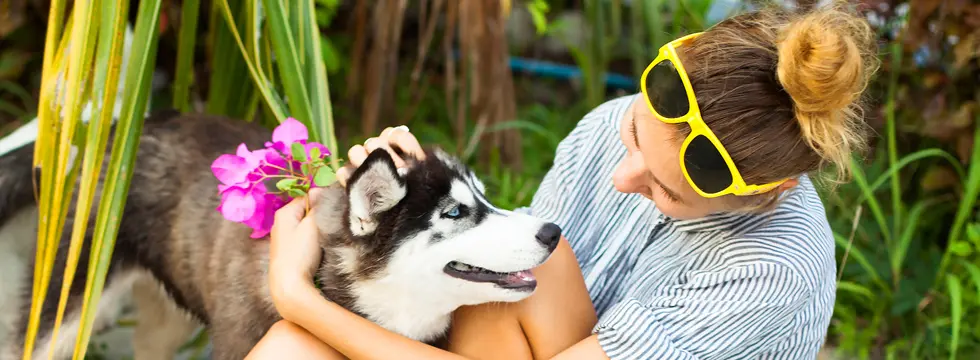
401 247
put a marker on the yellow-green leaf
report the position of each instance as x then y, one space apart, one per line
324 176
956 304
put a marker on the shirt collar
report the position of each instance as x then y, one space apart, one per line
732 220
714 222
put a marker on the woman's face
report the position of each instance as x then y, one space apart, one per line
651 167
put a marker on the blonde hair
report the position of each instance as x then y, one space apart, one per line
825 63
784 91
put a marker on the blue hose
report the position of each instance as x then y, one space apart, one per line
561 71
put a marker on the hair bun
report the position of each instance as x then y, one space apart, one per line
826 59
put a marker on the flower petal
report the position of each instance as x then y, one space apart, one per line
230 169
274 158
237 205
261 222
259 233
222 188
289 131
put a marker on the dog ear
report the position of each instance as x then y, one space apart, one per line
375 187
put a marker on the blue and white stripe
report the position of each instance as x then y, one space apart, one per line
729 286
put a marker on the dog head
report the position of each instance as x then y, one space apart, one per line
430 229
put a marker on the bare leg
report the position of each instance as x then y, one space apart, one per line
286 340
557 316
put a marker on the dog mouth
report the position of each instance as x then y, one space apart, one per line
519 280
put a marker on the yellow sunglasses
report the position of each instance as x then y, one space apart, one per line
704 161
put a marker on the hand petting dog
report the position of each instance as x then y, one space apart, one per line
294 251
390 138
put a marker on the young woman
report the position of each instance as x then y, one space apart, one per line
691 228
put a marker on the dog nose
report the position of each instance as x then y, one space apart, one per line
549 235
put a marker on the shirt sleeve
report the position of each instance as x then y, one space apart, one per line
735 313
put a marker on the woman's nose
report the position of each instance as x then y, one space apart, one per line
630 174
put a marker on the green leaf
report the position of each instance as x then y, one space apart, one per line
973 234
321 109
229 86
856 289
273 101
956 304
971 191
873 204
324 176
901 249
305 168
909 159
858 256
890 125
315 153
139 73
974 272
285 44
83 36
184 74
961 248
286 184
44 155
331 56
298 152
294 192
538 9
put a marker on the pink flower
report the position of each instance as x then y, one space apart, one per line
288 132
230 169
242 177
261 220
238 204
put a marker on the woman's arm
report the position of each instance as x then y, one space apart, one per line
359 338
350 334
553 323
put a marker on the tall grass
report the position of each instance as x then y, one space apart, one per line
909 278
88 75
65 84
909 298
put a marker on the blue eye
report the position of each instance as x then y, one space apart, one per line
453 213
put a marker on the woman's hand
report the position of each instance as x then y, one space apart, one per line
391 137
294 252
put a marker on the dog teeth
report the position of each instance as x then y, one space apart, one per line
461 266
458 266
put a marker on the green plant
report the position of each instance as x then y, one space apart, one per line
94 31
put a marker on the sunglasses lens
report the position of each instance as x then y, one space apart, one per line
666 90
705 166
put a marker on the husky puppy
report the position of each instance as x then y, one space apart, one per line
401 247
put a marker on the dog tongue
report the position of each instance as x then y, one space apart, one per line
518 279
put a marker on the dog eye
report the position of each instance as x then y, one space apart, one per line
453 213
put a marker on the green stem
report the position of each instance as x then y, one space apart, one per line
896 60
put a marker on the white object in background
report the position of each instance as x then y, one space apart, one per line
27 133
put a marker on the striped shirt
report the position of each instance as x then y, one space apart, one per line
727 286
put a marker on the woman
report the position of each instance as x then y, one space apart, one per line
709 242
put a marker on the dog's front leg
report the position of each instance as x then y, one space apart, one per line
162 328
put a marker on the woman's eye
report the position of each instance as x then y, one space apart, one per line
453 213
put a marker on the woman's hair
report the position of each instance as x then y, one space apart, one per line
783 91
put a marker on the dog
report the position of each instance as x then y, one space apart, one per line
403 248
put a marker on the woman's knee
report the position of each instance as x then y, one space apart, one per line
287 340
